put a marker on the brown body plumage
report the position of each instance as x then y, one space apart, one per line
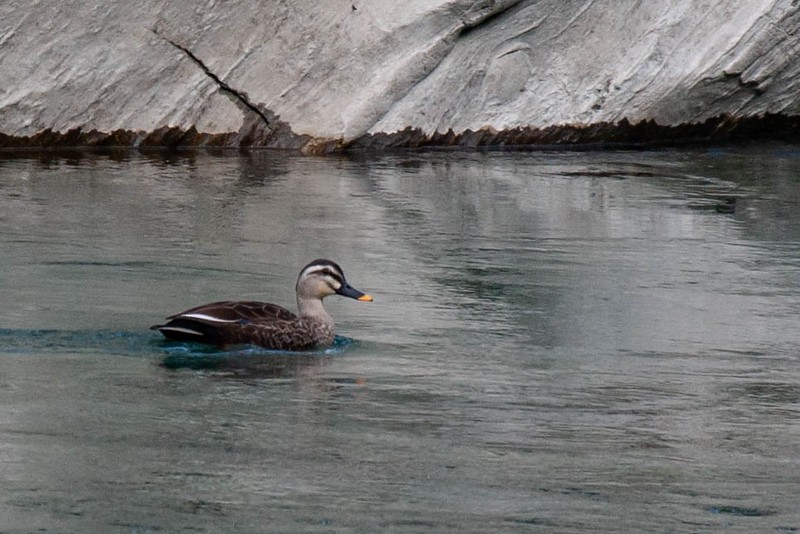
228 323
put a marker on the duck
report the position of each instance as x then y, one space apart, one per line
228 322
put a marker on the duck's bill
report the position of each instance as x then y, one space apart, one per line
349 291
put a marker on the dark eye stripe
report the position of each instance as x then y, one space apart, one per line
333 275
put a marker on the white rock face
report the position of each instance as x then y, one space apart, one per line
338 70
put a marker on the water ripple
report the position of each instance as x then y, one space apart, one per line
134 343
44 341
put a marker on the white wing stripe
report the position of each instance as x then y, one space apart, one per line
204 317
179 329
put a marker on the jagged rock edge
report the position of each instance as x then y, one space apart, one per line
644 134
623 134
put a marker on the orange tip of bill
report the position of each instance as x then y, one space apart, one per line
365 298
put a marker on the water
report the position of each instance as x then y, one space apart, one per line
560 342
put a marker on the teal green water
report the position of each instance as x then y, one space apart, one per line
559 342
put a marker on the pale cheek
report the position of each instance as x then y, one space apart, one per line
325 289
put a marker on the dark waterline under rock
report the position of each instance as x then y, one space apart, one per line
256 133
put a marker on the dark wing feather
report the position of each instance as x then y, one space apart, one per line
243 312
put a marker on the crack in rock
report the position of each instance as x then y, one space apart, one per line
240 96
482 20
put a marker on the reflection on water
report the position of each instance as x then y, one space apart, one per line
560 342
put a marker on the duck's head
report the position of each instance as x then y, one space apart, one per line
322 278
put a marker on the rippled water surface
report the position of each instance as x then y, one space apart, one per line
560 342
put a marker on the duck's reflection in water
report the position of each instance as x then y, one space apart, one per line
250 365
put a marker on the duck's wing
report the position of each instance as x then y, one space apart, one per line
225 322
232 311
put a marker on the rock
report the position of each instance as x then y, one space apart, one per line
324 76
